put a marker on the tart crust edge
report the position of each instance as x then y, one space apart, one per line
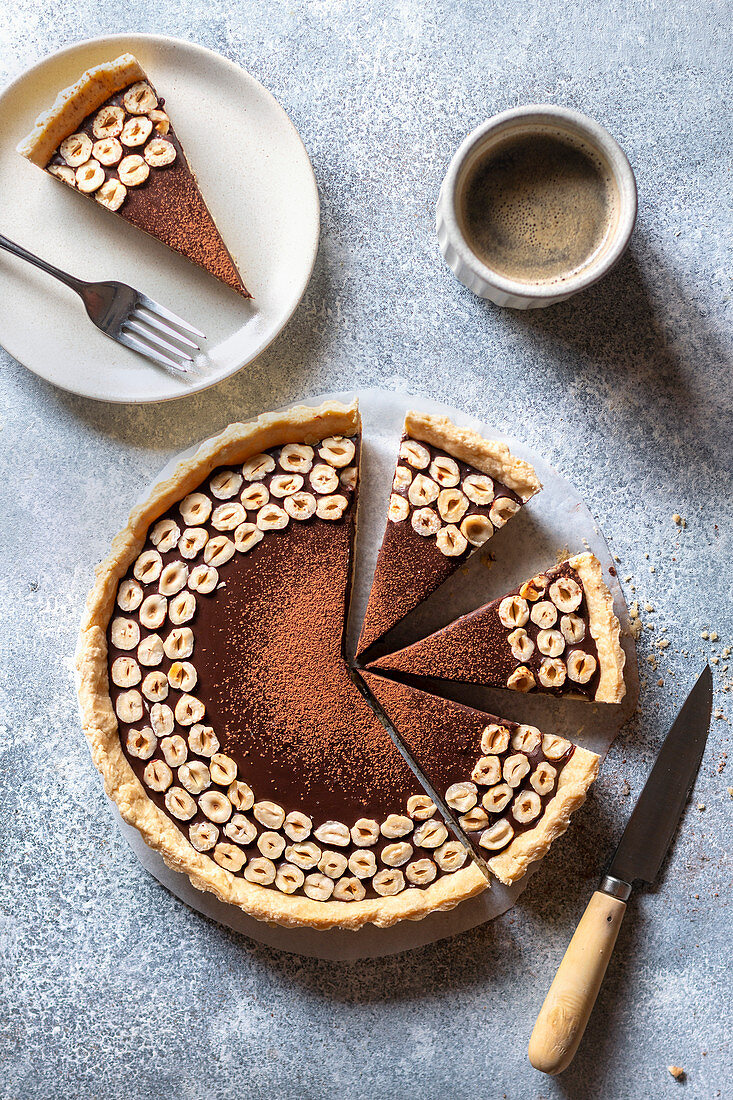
73 104
489 456
604 627
575 779
235 444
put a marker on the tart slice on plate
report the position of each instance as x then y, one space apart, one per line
109 136
217 702
556 633
512 787
452 488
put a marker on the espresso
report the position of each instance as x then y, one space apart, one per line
538 207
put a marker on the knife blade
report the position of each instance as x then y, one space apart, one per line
639 857
654 820
437 798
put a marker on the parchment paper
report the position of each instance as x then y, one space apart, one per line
555 523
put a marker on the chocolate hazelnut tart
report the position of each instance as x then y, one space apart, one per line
230 730
109 136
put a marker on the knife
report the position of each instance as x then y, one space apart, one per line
639 856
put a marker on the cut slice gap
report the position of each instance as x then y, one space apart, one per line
513 787
451 490
556 633
108 137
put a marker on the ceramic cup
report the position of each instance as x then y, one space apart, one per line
463 261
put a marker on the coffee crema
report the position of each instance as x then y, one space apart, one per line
537 207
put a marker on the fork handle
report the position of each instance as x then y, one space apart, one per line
17 250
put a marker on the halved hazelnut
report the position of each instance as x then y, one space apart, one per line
129 595
178 644
230 857
150 652
257 467
522 679
451 855
271 844
173 578
502 510
420 807
543 778
399 509
497 798
179 803
552 672
240 829
254 496
526 806
487 770
497 835
284 485
141 743
219 550
550 642
323 478
421 871
203 741
140 98
240 795
136 131
155 686
349 889
226 517
521 644
246 537
148 566
363 864
566 594
108 151
108 122
348 478
337 451
289 878
513 611
269 814
223 769
365 832
195 509
430 834
192 541
445 471
388 882
331 507
304 855
554 747
395 826
297 825
76 149
216 806
544 614
300 506
203 579
425 522
333 832
194 776
164 535
450 541
461 796
296 458
182 608
526 738
515 768
90 177
333 864
415 454
182 676
572 628
260 870
317 886
174 748
581 666
495 739
474 820
402 477
124 633
203 835
272 518
129 706
477 529
479 488
422 491
397 854
125 672
452 505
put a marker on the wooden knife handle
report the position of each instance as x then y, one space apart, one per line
569 1002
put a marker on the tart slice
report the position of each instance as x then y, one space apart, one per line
513 787
109 136
451 490
556 633
217 702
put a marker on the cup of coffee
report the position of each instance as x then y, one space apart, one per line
538 203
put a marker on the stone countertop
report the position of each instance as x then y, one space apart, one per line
111 988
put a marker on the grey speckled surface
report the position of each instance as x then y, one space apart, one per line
113 989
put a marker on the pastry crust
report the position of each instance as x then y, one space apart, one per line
575 778
238 442
487 455
73 104
604 627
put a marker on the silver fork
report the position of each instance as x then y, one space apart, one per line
127 316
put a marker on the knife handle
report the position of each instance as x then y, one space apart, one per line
570 999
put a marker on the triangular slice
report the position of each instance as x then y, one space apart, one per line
109 136
556 633
451 489
513 787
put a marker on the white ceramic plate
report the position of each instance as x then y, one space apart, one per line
257 180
